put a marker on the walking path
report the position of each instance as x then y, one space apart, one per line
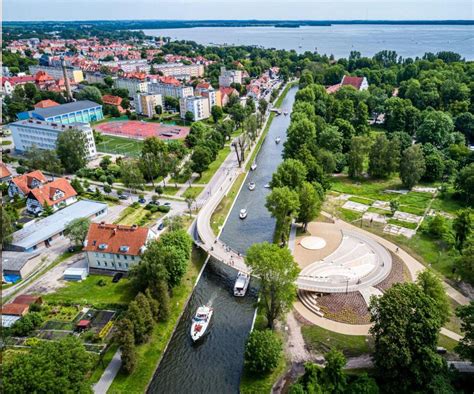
105 381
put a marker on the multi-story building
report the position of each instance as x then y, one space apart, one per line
228 77
55 194
146 103
74 74
134 65
179 70
21 185
78 111
171 89
97 77
197 105
133 85
43 135
115 247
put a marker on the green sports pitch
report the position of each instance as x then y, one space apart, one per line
120 146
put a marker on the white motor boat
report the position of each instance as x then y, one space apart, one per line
243 213
200 323
268 186
277 140
252 186
286 113
253 167
241 284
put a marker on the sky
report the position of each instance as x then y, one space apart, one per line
17 10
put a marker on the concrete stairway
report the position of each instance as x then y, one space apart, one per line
308 298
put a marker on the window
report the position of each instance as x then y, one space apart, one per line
105 264
96 254
119 264
133 258
98 263
118 257
125 257
126 265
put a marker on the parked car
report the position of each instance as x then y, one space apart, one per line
167 204
123 197
161 226
141 200
117 277
71 249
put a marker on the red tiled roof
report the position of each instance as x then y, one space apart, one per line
333 88
228 91
23 182
45 193
112 237
46 104
352 81
15 309
204 85
43 76
112 100
4 171
27 299
19 80
169 80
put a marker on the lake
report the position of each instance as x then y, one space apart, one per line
339 40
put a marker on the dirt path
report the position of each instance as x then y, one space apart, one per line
295 346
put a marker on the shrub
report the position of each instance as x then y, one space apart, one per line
262 352
163 208
101 283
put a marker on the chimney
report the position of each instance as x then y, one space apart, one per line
66 80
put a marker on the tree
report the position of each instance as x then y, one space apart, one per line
7 226
299 133
356 156
262 106
131 175
435 128
291 173
217 113
277 272
465 347
412 166
200 159
126 338
90 93
26 324
172 103
464 183
144 305
154 305
155 159
140 320
433 287
310 204
71 149
76 230
406 326
333 376
44 159
384 157
283 205
49 367
465 262
262 352
189 116
462 227
331 139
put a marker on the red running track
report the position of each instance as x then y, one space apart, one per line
141 130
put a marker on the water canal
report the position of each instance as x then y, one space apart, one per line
215 364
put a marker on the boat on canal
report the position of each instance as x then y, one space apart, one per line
267 186
241 284
252 186
277 140
253 167
243 213
200 322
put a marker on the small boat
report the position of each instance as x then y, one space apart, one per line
267 185
243 213
251 185
241 284
200 323
253 167
277 140
286 113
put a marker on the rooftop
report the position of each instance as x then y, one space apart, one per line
51 126
14 261
65 108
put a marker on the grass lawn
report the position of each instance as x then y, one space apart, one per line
139 216
170 190
446 342
89 292
6 142
192 192
219 215
361 200
214 166
120 146
320 340
401 223
149 354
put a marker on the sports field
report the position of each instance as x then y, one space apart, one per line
120 146
140 130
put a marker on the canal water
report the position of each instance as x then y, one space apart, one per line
259 225
215 364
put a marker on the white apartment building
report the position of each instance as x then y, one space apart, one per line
74 74
133 65
229 77
145 103
197 105
115 247
183 71
133 85
43 135
172 90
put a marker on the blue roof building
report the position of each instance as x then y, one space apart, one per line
83 111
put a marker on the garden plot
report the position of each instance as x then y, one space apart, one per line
407 217
421 189
355 206
397 191
379 204
393 229
446 215
374 217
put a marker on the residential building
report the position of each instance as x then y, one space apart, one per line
205 89
179 70
46 104
197 105
22 184
133 85
115 247
55 194
5 173
171 89
226 93
43 135
228 77
9 83
114 101
146 103
78 111
45 232
134 65
19 264
74 74
97 77
359 83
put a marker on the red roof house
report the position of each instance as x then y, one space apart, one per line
15 309
5 174
23 184
360 83
53 194
116 101
46 104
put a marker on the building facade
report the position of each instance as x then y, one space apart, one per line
228 77
115 247
133 85
43 135
21 185
171 90
197 105
56 194
179 70
146 103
